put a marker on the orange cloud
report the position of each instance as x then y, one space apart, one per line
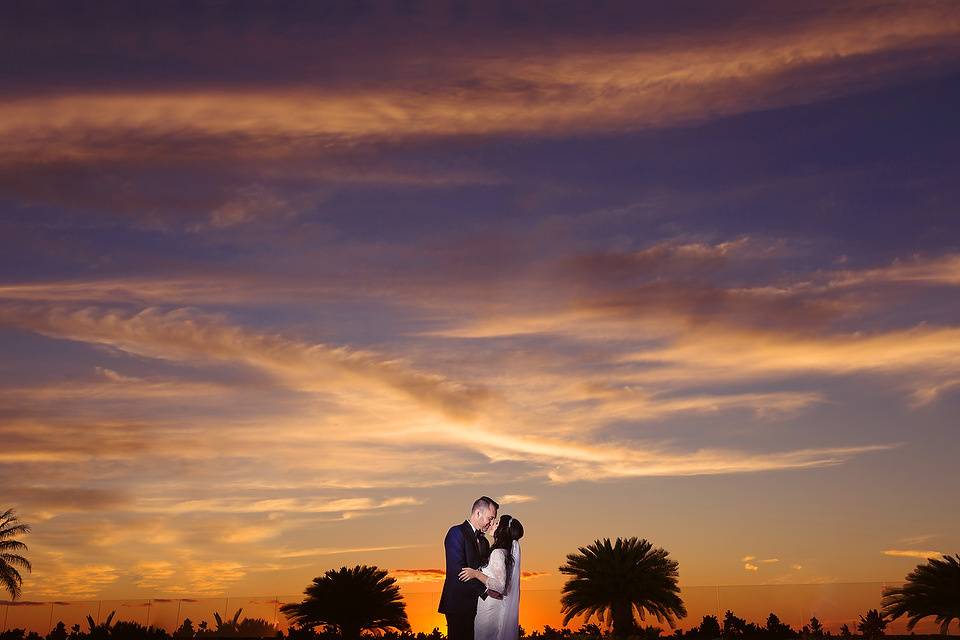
608 85
333 551
533 575
418 575
731 354
185 335
911 553
941 270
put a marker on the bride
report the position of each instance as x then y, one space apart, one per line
498 615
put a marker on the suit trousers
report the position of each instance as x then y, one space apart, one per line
460 626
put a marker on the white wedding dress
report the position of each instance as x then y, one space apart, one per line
500 619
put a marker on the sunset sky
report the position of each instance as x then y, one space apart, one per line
285 286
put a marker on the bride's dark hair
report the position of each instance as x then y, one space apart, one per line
508 530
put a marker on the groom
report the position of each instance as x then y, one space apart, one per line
466 546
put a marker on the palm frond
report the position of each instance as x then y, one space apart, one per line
931 589
11 582
15 560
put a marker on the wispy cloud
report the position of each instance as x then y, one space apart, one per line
183 334
57 577
939 270
733 354
335 551
911 553
274 505
533 575
534 93
153 573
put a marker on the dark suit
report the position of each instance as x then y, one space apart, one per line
459 599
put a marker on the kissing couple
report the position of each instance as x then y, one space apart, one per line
481 589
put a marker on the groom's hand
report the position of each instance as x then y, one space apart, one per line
494 594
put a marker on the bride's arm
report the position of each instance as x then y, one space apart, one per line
498 569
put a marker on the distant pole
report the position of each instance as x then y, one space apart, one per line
179 604
149 604
5 614
718 603
99 602
276 605
52 605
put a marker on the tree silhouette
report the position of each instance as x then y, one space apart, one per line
351 601
100 631
59 632
710 628
10 559
778 629
612 580
256 628
131 630
872 625
228 627
816 627
733 627
185 630
932 589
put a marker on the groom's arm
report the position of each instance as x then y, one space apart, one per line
456 555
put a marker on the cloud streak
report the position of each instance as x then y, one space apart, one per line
182 334
610 87
911 553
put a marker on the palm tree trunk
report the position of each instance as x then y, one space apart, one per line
622 614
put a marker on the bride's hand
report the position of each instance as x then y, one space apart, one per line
468 574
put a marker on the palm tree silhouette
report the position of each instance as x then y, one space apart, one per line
872 625
10 527
611 580
932 589
102 630
229 627
351 601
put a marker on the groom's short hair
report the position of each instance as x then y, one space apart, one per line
485 503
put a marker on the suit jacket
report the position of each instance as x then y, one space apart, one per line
462 550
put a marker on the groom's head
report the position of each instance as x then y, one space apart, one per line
483 513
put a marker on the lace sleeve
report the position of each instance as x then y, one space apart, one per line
498 570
